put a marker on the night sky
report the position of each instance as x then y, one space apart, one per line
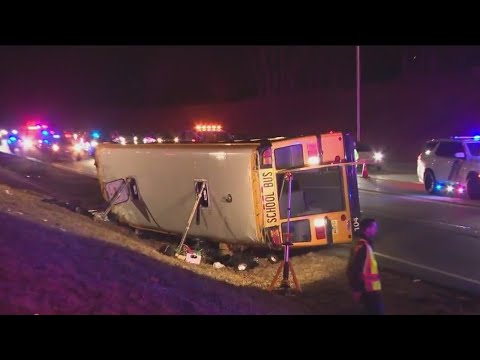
48 80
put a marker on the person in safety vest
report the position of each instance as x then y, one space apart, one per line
362 270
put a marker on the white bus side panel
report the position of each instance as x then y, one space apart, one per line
165 177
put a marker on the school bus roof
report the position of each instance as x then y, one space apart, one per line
179 145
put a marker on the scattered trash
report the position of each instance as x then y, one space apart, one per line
45 220
193 259
14 212
218 265
28 176
242 267
8 192
416 280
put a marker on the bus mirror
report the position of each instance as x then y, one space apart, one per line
116 191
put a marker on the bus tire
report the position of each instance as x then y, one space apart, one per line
272 258
430 182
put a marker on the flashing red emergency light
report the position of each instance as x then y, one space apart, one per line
275 236
313 154
267 157
320 231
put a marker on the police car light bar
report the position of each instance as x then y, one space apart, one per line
476 137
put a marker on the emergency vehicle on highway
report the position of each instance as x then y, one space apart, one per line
451 166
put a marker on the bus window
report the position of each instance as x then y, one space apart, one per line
289 157
299 229
315 191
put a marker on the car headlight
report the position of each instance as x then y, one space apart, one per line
378 156
27 144
55 147
77 147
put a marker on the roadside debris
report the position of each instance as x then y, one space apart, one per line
218 265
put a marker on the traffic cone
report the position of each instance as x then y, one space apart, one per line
365 171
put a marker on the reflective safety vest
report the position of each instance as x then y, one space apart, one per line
370 275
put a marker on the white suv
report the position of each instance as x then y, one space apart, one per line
451 165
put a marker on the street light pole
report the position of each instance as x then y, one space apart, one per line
358 93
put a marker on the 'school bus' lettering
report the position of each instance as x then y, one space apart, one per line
269 197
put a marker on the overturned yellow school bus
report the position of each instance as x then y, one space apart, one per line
240 188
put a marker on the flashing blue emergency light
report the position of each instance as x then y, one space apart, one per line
95 135
476 137
438 187
12 138
46 141
45 133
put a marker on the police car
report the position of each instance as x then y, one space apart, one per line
451 166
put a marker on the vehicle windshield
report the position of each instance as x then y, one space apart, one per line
474 148
363 147
315 191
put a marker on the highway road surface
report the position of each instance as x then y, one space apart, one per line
433 238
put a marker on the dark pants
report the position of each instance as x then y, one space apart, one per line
373 303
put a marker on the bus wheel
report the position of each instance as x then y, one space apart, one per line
272 258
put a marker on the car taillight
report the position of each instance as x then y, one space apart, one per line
275 236
267 157
320 231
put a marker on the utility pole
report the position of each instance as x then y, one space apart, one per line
358 93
